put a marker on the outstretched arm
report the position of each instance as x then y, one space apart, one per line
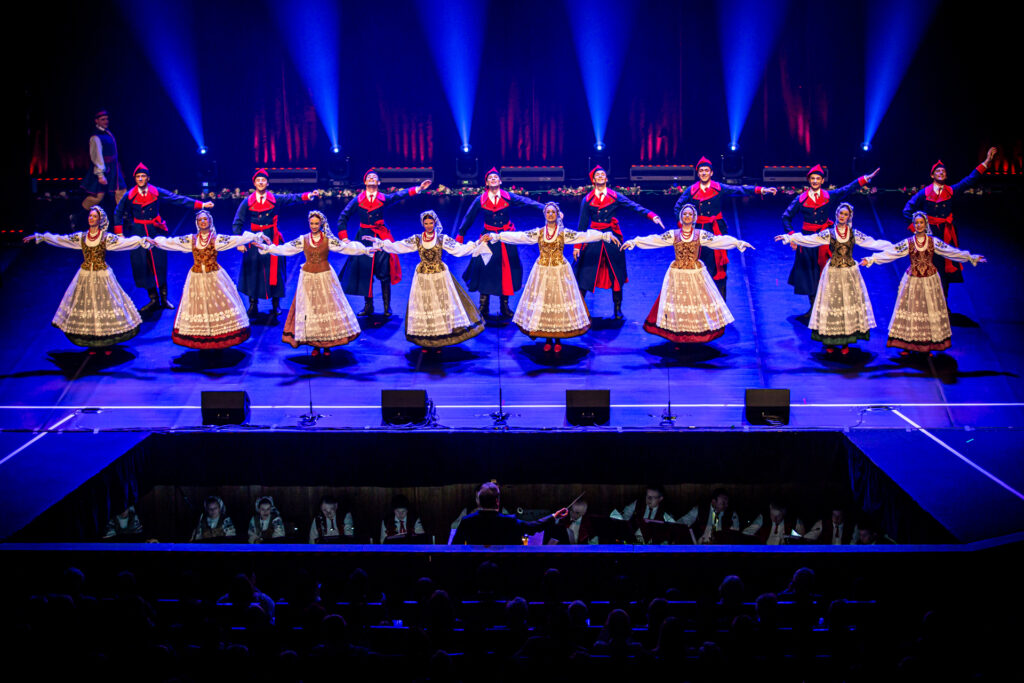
467 220
181 244
848 189
225 242
347 247
573 237
665 239
789 213
406 246
896 251
479 248
286 249
869 242
723 242
186 202
520 200
953 254
72 241
118 243
518 237
816 240
344 216
287 199
746 190
646 213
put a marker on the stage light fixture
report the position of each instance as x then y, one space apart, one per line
336 150
733 147
732 163
467 168
465 148
202 150
338 166
865 146
598 146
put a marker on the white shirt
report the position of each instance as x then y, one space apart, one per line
814 194
778 533
493 196
96 154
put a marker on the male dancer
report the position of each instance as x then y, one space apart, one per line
706 195
262 275
502 276
597 266
815 206
138 214
936 200
106 168
359 271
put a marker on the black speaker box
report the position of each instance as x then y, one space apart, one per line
225 407
587 406
767 406
403 406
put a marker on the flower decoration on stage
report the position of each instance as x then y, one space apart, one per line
567 191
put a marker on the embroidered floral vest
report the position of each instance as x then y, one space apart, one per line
430 257
316 254
921 259
842 252
552 253
94 257
687 253
204 258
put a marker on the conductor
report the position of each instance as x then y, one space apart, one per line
487 526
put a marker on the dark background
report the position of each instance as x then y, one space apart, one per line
670 107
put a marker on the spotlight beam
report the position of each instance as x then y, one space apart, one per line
165 34
601 31
894 31
747 33
311 31
455 34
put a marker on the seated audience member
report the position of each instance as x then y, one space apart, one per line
870 533
577 526
487 526
399 521
326 524
842 530
125 523
214 522
778 527
266 523
704 521
242 593
616 638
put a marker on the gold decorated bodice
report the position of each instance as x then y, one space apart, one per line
430 257
316 254
842 250
552 253
687 253
94 257
921 258
204 257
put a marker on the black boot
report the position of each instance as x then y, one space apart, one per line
721 287
385 295
276 308
154 302
254 307
367 306
617 300
505 310
485 305
164 300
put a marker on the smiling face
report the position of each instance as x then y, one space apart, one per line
103 121
704 173
654 498
260 184
843 216
493 181
372 182
688 216
939 174
314 224
920 224
600 178
203 222
815 180
428 224
265 510
551 214
94 218
141 179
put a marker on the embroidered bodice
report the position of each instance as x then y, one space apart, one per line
552 253
687 253
921 258
842 250
94 256
204 258
316 254
430 257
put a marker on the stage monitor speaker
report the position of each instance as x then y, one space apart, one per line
225 407
403 406
767 406
587 406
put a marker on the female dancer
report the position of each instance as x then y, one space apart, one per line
551 306
211 314
439 312
920 321
690 309
320 314
842 311
95 312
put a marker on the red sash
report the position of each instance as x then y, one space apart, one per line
272 276
721 258
506 268
824 253
948 236
156 223
605 277
381 232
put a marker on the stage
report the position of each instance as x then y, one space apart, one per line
945 428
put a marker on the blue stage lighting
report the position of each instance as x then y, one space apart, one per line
865 146
455 34
202 150
166 34
893 33
747 32
733 147
311 30
465 148
336 150
599 146
601 30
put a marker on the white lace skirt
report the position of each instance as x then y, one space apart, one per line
689 304
211 314
320 315
439 312
920 321
842 311
551 305
95 311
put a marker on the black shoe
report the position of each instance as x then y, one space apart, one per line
385 295
617 300
276 309
505 310
254 308
367 307
165 302
485 305
154 302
